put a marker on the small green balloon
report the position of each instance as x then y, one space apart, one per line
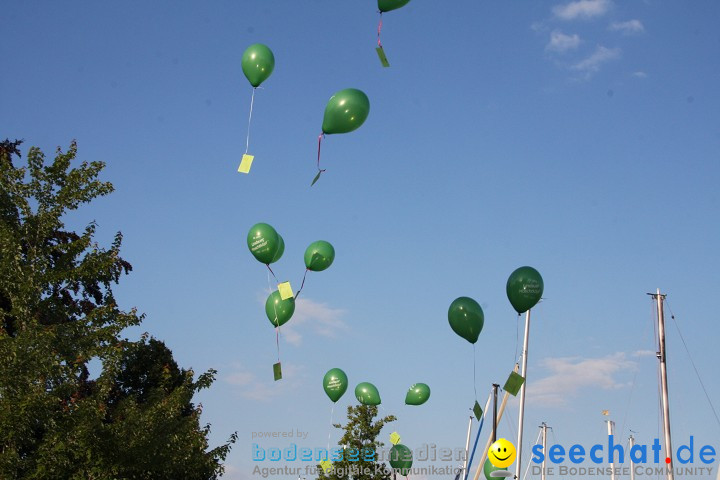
466 318
258 62
263 242
524 288
319 256
387 5
335 384
367 394
280 249
345 111
401 459
417 394
279 311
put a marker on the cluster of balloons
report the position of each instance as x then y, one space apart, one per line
267 246
335 384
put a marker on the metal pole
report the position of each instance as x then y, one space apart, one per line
518 446
480 466
544 444
632 465
610 425
662 356
467 447
494 431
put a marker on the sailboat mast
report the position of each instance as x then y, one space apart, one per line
544 445
467 447
518 446
632 464
611 425
662 356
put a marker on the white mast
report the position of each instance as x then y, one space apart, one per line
544 444
632 465
518 446
467 448
611 425
661 355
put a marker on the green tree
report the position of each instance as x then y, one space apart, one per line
57 313
361 447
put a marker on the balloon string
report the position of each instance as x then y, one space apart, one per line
332 413
247 140
277 321
277 339
379 29
474 376
301 285
273 273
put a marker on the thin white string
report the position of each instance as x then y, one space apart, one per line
247 140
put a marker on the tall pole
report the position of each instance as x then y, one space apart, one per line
610 425
632 465
544 444
662 356
467 448
498 417
495 419
518 446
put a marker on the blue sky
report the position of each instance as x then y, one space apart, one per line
578 137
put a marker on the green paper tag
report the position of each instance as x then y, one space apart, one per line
513 384
277 371
383 58
477 410
317 177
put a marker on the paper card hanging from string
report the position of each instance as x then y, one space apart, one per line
513 384
246 163
326 465
285 290
383 58
277 371
394 438
477 410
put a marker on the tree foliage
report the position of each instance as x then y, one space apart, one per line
135 419
360 460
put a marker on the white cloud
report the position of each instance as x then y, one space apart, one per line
582 9
644 353
591 64
628 28
319 318
639 74
250 385
569 375
559 42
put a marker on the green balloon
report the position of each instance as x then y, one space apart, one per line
279 311
488 468
263 242
466 318
319 256
367 394
417 394
387 5
345 111
280 249
335 384
401 459
524 288
258 63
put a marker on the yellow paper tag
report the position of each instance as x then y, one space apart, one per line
394 438
246 163
285 290
326 465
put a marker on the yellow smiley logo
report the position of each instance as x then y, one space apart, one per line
502 453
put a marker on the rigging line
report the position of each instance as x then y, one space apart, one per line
529 463
627 408
672 315
247 140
